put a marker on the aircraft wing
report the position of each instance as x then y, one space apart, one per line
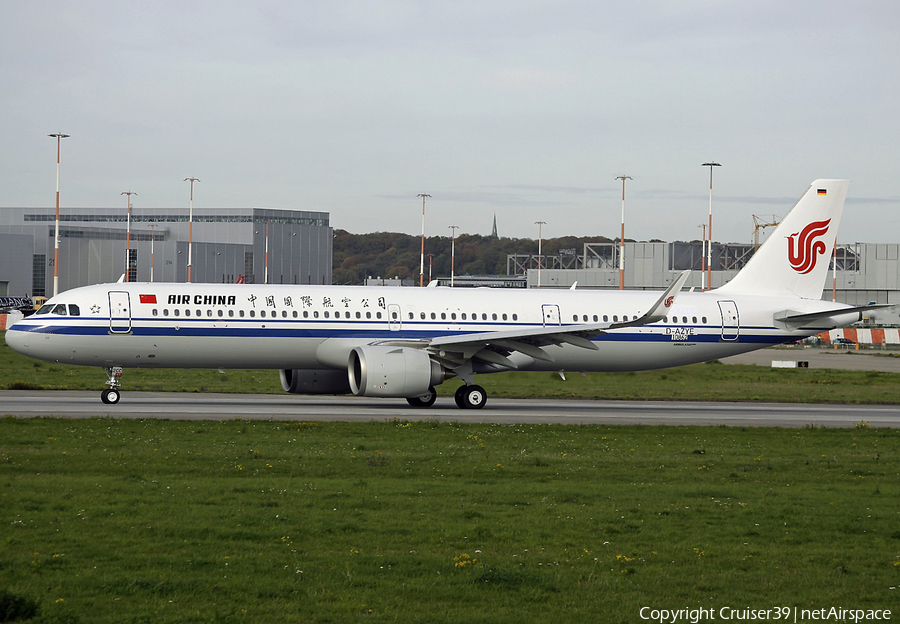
494 347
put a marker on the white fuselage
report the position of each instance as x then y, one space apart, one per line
169 325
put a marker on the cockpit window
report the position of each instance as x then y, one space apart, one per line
44 309
73 310
60 309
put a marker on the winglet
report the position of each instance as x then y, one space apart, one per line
660 309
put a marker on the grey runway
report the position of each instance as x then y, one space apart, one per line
190 406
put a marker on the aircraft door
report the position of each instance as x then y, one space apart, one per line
551 314
731 326
394 318
119 312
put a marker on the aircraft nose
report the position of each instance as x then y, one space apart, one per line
17 340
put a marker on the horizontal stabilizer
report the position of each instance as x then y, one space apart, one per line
793 319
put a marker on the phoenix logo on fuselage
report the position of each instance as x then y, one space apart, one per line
804 249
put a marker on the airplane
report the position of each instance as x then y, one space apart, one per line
397 342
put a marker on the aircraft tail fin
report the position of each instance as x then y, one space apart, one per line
794 259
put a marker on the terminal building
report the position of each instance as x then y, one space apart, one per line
254 245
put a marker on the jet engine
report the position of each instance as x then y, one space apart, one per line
393 371
300 381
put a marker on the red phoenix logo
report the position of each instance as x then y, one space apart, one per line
668 301
804 250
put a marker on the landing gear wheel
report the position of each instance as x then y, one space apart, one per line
458 397
474 397
110 396
424 400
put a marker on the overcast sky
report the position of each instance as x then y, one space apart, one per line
522 108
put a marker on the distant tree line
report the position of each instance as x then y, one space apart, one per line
389 254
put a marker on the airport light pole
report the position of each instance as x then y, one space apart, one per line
58 136
702 258
540 225
453 228
191 229
152 239
710 164
622 236
128 234
422 257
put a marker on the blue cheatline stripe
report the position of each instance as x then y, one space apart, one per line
189 328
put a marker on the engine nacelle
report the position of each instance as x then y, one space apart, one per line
299 381
392 371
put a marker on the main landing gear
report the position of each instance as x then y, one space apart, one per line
111 395
467 397
424 400
470 397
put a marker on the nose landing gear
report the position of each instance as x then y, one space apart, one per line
111 395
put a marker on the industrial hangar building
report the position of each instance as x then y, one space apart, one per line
866 272
229 245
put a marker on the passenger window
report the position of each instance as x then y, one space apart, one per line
463 316
284 314
605 318
294 314
187 312
443 316
411 316
483 316
209 312
704 320
378 315
494 316
177 312
231 313
315 314
74 310
584 318
694 320
516 317
684 320
422 315
305 314
453 315
358 315
241 313
262 313
165 311
368 315
199 313
433 316
504 316
615 318
252 313
155 312
221 313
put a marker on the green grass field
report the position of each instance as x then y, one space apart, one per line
699 382
237 521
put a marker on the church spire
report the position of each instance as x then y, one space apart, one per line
494 229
